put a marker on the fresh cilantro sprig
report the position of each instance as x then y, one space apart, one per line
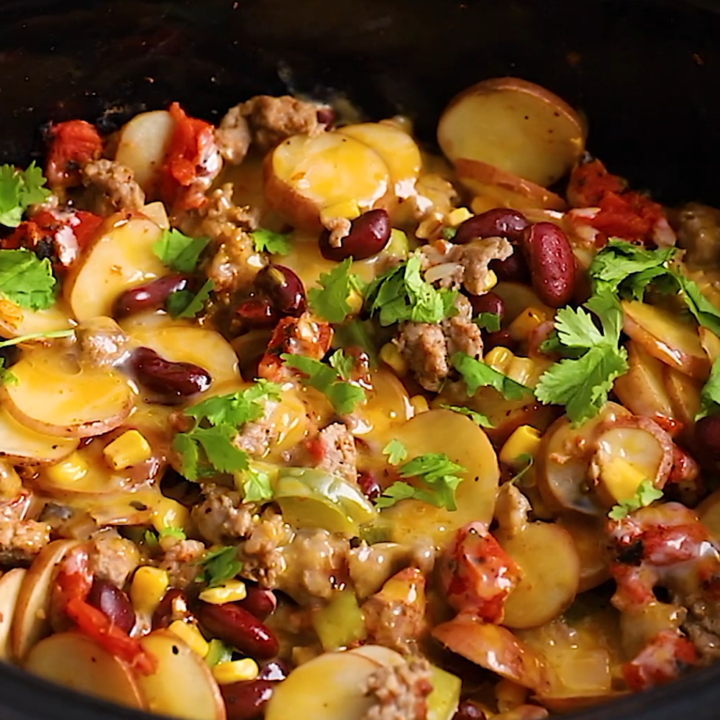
236 408
343 395
439 479
26 280
476 417
256 485
359 334
645 495
152 538
488 321
710 394
402 294
185 304
180 252
583 384
7 377
271 242
477 374
220 565
332 300
50 335
19 189
396 452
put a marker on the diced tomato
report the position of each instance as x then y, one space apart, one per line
74 144
590 182
74 579
662 660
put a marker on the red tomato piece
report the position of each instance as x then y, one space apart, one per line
74 144
662 660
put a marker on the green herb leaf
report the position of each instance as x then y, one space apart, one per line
218 652
645 495
26 280
271 242
342 363
236 408
395 493
396 452
7 377
357 333
50 335
256 486
477 374
183 304
488 321
449 233
476 417
180 252
18 190
529 460
710 395
151 537
331 301
220 565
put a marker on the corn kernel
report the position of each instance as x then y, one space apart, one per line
524 441
191 636
621 479
226 673
230 591
148 588
529 319
499 358
169 513
491 280
71 470
458 216
391 356
419 403
131 448
349 209
521 370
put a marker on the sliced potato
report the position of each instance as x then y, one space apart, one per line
183 685
305 175
56 396
30 622
328 687
710 343
709 513
684 394
23 446
143 144
516 126
379 654
388 405
16 321
81 664
550 578
120 258
593 548
666 337
10 584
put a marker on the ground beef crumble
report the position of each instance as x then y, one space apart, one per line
111 187
20 539
401 691
339 455
112 557
257 437
221 517
181 560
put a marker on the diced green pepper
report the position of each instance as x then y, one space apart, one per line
340 623
218 652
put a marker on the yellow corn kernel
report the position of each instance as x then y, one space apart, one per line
419 403
499 358
191 636
458 216
355 302
621 479
348 209
524 441
491 280
230 591
169 513
391 356
529 319
430 227
131 448
71 470
226 673
148 588
521 370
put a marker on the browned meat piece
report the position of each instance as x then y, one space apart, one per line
112 558
702 625
257 437
274 119
102 342
233 137
181 560
221 517
339 455
699 235
262 551
401 691
112 187
428 348
20 539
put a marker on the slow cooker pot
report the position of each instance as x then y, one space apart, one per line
646 73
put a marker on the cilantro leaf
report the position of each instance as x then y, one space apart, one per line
331 301
710 394
529 461
343 364
236 408
357 333
256 485
271 242
477 374
396 452
488 321
402 294
220 565
645 495
476 417
704 311
217 442
7 377
151 537
395 493
37 336
180 252
26 280
18 190
183 304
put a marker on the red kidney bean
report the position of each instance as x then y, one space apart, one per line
326 117
500 222
369 234
275 670
150 296
283 288
259 602
239 628
513 269
468 711
501 338
490 302
114 603
247 700
166 377
173 606
552 263
707 434
369 485
257 312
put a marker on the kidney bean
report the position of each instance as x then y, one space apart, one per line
707 434
552 263
173 606
283 288
369 485
501 338
500 222
369 234
513 269
257 312
239 628
150 296
326 117
114 603
276 670
490 302
259 602
247 700
166 377
468 711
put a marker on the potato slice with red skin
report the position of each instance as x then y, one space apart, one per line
304 175
666 337
593 548
55 395
684 393
79 663
10 584
120 257
494 648
515 125
23 446
16 321
183 685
